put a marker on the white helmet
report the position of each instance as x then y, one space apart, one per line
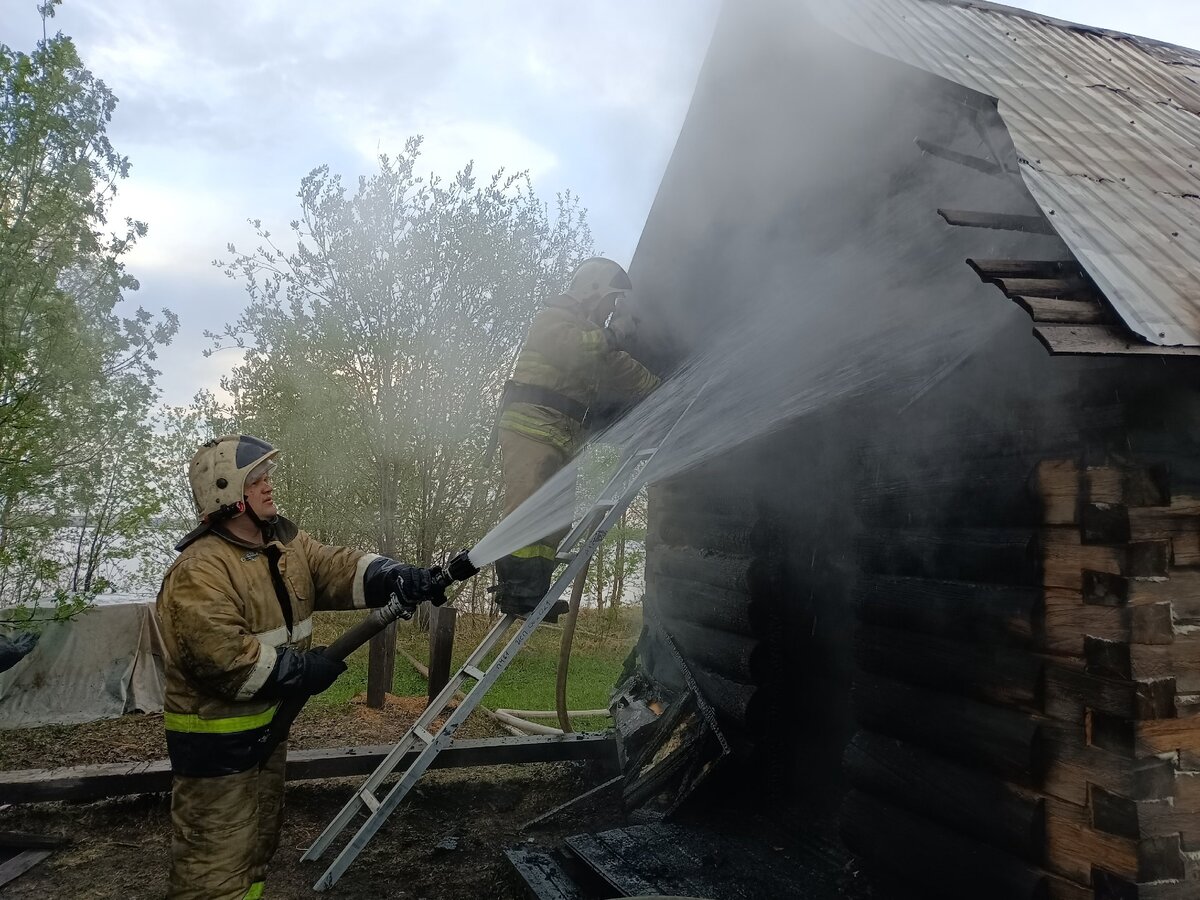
219 470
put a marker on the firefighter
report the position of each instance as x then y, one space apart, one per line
236 612
568 366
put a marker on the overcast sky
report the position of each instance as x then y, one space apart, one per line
225 105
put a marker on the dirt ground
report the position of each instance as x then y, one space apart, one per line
119 847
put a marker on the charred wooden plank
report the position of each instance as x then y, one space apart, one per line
982 495
990 270
655 852
962 609
1179 660
1159 826
1108 658
1007 677
1059 484
699 529
24 840
1061 289
735 574
1168 736
543 874
736 657
1069 621
1071 692
937 861
1179 816
1180 589
990 555
1066 558
1112 887
1004 741
986 166
1074 847
1104 523
1065 889
118 779
1153 624
731 612
997 221
1074 765
20 864
1102 340
978 805
1062 311
609 865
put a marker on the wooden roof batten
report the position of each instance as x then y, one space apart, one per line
1070 314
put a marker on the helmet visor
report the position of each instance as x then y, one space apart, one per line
261 471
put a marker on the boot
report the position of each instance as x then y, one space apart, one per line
521 603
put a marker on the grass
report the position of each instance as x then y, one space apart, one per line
601 644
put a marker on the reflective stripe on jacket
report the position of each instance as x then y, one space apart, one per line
568 353
223 616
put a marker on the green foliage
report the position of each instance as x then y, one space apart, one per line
620 558
76 375
377 348
178 431
601 645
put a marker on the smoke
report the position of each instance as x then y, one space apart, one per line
790 354
794 252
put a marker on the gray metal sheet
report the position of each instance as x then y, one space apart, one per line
1107 127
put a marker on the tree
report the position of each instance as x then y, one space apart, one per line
177 433
377 349
75 374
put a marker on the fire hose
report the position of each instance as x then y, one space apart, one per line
459 568
564 651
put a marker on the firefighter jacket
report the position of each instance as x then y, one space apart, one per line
225 608
571 360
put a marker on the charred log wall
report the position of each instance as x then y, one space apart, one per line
890 599
1040 719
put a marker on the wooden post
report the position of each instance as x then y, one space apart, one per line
381 666
441 647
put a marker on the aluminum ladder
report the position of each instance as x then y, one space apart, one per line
576 549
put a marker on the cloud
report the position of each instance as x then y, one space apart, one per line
451 145
225 106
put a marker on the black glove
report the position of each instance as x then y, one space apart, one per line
385 577
300 672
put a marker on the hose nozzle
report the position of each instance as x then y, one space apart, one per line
459 568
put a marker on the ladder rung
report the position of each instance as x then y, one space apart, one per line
370 801
423 735
473 672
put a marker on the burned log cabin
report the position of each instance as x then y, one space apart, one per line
958 618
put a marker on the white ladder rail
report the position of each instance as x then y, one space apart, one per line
610 505
466 706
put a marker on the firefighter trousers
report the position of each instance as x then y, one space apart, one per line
224 832
524 577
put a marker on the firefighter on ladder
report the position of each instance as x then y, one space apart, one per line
236 612
568 364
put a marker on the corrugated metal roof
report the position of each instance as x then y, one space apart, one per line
1107 127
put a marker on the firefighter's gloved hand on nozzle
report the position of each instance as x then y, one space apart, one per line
385 577
302 672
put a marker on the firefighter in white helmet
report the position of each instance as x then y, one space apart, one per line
236 611
568 365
